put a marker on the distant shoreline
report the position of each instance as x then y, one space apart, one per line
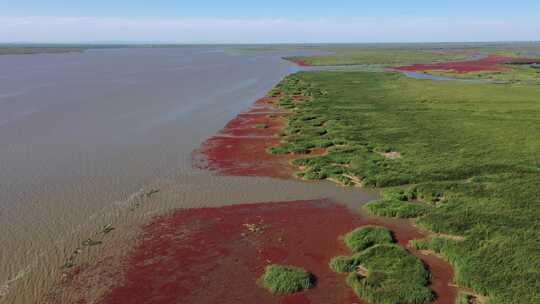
30 49
37 50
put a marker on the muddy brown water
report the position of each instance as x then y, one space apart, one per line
86 138
81 133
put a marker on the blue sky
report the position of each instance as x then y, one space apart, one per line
274 21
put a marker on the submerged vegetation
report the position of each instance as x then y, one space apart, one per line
469 153
380 271
280 279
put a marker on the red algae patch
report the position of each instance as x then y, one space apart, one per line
216 255
241 147
300 62
489 63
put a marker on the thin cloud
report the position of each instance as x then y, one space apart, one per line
76 29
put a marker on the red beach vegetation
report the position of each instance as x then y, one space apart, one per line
300 62
489 63
216 255
240 148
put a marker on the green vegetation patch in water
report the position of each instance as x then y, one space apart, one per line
260 126
391 275
281 279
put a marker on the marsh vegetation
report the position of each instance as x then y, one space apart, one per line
469 157
393 54
380 271
280 279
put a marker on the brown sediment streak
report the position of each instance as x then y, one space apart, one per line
241 147
216 255
489 63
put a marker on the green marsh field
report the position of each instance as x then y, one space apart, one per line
351 56
391 54
460 159
511 73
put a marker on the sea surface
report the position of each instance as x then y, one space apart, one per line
105 137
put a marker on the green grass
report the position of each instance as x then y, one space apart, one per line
260 126
470 152
393 276
343 264
281 279
464 298
367 236
352 56
397 203
409 53
381 272
511 73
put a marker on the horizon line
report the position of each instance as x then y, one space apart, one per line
136 42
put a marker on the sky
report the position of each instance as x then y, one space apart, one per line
276 21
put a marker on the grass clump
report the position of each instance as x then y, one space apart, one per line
464 299
259 126
281 279
380 271
367 236
343 264
390 275
395 208
397 203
